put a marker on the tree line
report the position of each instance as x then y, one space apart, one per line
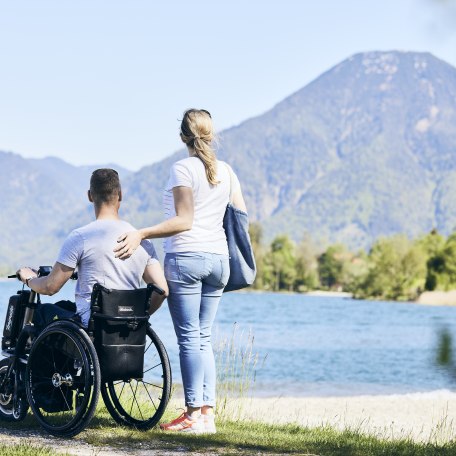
395 267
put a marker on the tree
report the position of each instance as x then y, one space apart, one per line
256 238
397 269
280 264
332 266
433 244
442 266
306 265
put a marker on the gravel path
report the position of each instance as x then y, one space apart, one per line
78 447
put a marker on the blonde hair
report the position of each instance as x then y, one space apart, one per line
197 132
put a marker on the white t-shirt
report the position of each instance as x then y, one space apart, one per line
90 249
207 233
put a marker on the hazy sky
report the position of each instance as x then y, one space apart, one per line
104 81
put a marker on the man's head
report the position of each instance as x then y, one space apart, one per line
105 188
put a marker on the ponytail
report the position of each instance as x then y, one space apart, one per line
197 132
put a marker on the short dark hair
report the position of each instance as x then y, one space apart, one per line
104 186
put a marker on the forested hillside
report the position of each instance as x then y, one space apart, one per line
366 150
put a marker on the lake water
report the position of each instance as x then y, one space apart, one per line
314 346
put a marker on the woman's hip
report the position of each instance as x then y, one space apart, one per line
197 268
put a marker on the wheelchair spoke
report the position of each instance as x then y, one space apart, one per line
53 394
53 358
153 367
46 382
65 365
145 351
121 391
63 358
150 397
151 384
134 397
144 396
46 361
64 398
42 377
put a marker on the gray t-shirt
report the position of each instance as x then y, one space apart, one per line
90 249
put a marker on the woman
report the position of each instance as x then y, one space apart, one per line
196 262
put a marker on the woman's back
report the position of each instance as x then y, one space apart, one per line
207 233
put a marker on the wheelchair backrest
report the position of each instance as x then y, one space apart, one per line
119 322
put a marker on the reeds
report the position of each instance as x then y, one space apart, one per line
237 365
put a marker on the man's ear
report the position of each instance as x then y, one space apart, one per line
120 196
89 195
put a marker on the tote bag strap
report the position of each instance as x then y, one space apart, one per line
230 171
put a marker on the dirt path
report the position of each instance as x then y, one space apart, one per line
78 447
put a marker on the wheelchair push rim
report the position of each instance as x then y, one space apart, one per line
62 379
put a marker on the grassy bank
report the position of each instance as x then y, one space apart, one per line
247 438
26 449
233 437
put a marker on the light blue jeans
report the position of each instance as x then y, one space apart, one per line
196 281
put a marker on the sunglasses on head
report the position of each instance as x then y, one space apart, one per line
198 110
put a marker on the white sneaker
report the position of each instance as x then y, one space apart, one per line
185 424
208 422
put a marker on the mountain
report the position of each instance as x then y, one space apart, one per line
367 149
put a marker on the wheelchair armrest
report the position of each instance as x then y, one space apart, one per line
154 287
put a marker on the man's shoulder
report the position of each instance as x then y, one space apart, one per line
97 225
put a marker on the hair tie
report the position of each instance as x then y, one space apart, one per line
196 137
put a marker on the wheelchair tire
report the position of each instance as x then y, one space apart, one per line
9 410
140 403
63 379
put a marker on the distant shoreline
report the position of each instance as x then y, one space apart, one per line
427 298
437 298
329 294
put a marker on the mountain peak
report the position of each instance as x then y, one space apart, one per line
365 150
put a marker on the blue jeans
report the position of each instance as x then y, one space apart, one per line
196 281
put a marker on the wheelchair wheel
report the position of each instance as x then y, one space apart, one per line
140 403
11 408
63 379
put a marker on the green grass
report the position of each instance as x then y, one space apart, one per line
246 438
237 437
26 449
236 364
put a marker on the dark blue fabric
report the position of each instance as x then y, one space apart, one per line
242 260
47 313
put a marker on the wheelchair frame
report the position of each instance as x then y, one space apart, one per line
56 372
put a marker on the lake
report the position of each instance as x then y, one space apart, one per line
316 346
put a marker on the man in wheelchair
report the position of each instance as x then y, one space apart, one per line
89 249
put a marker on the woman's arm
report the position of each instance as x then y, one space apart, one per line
182 221
238 200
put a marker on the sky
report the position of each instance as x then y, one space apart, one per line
107 81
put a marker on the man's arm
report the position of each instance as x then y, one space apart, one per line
48 285
154 274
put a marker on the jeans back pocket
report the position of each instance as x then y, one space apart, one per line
191 267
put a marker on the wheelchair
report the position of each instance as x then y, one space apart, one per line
59 370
